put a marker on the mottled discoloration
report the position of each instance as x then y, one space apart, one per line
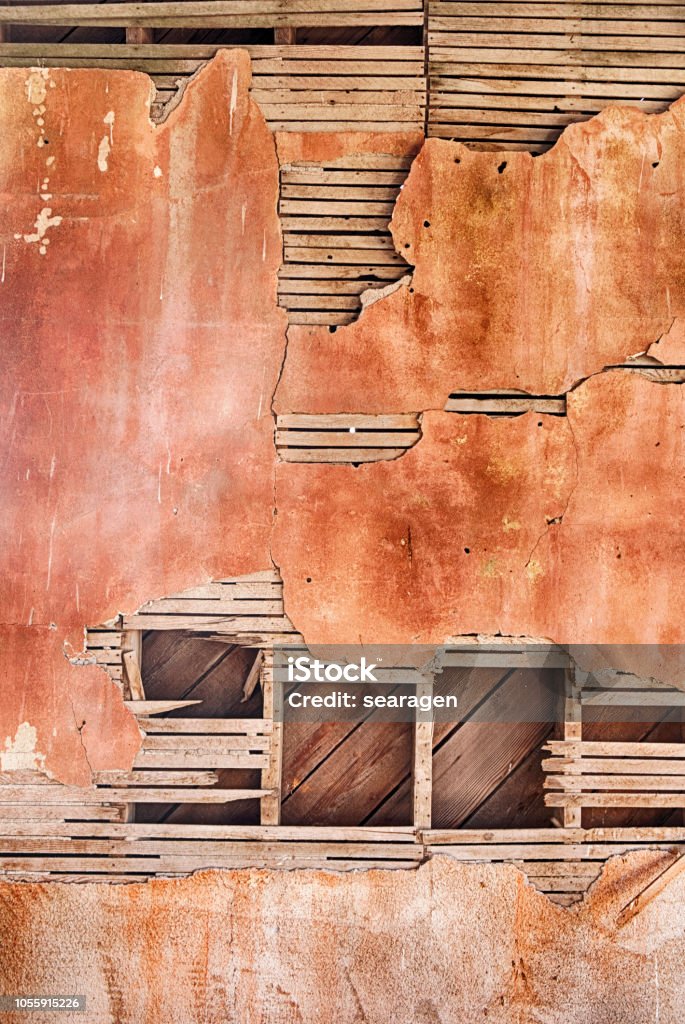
140 364
446 943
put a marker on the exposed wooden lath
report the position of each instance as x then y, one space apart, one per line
335 216
513 75
345 438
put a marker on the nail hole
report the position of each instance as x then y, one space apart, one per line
426 223
467 551
501 166
655 164
332 329
309 579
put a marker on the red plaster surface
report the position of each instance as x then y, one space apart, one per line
384 545
141 353
532 278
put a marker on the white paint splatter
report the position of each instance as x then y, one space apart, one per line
264 246
106 142
4 259
43 222
20 753
243 211
103 153
157 172
36 86
234 102
53 464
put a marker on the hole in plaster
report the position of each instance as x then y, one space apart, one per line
426 223
655 164
467 551
501 167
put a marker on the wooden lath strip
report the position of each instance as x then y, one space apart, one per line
341 438
335 216
611 748
514 75
66 795
214 726
220 13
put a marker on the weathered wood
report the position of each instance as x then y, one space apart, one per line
628 799
579 783
66 795
351 455
638 835
611 748
202 743
220 14
132 647
488 404
161 831
271 779
635 698
422 762
615 765
193 758
156 778
157 707
13 814
237 726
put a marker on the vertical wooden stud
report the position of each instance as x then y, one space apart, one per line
422 768
132 655
271 775
573 730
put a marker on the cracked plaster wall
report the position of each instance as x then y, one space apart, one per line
143 351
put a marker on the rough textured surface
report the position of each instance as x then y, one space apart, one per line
530 273
535 526
145 348
445 944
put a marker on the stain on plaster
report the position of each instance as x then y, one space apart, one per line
372 947
135 408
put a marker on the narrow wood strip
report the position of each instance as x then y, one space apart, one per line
614 765
345 439
224 726
66 795
350 455
610 748
165 759
629 799
162 831
343 421
213 606
204 743
581 783
164 778
635 698
505 403
157 707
